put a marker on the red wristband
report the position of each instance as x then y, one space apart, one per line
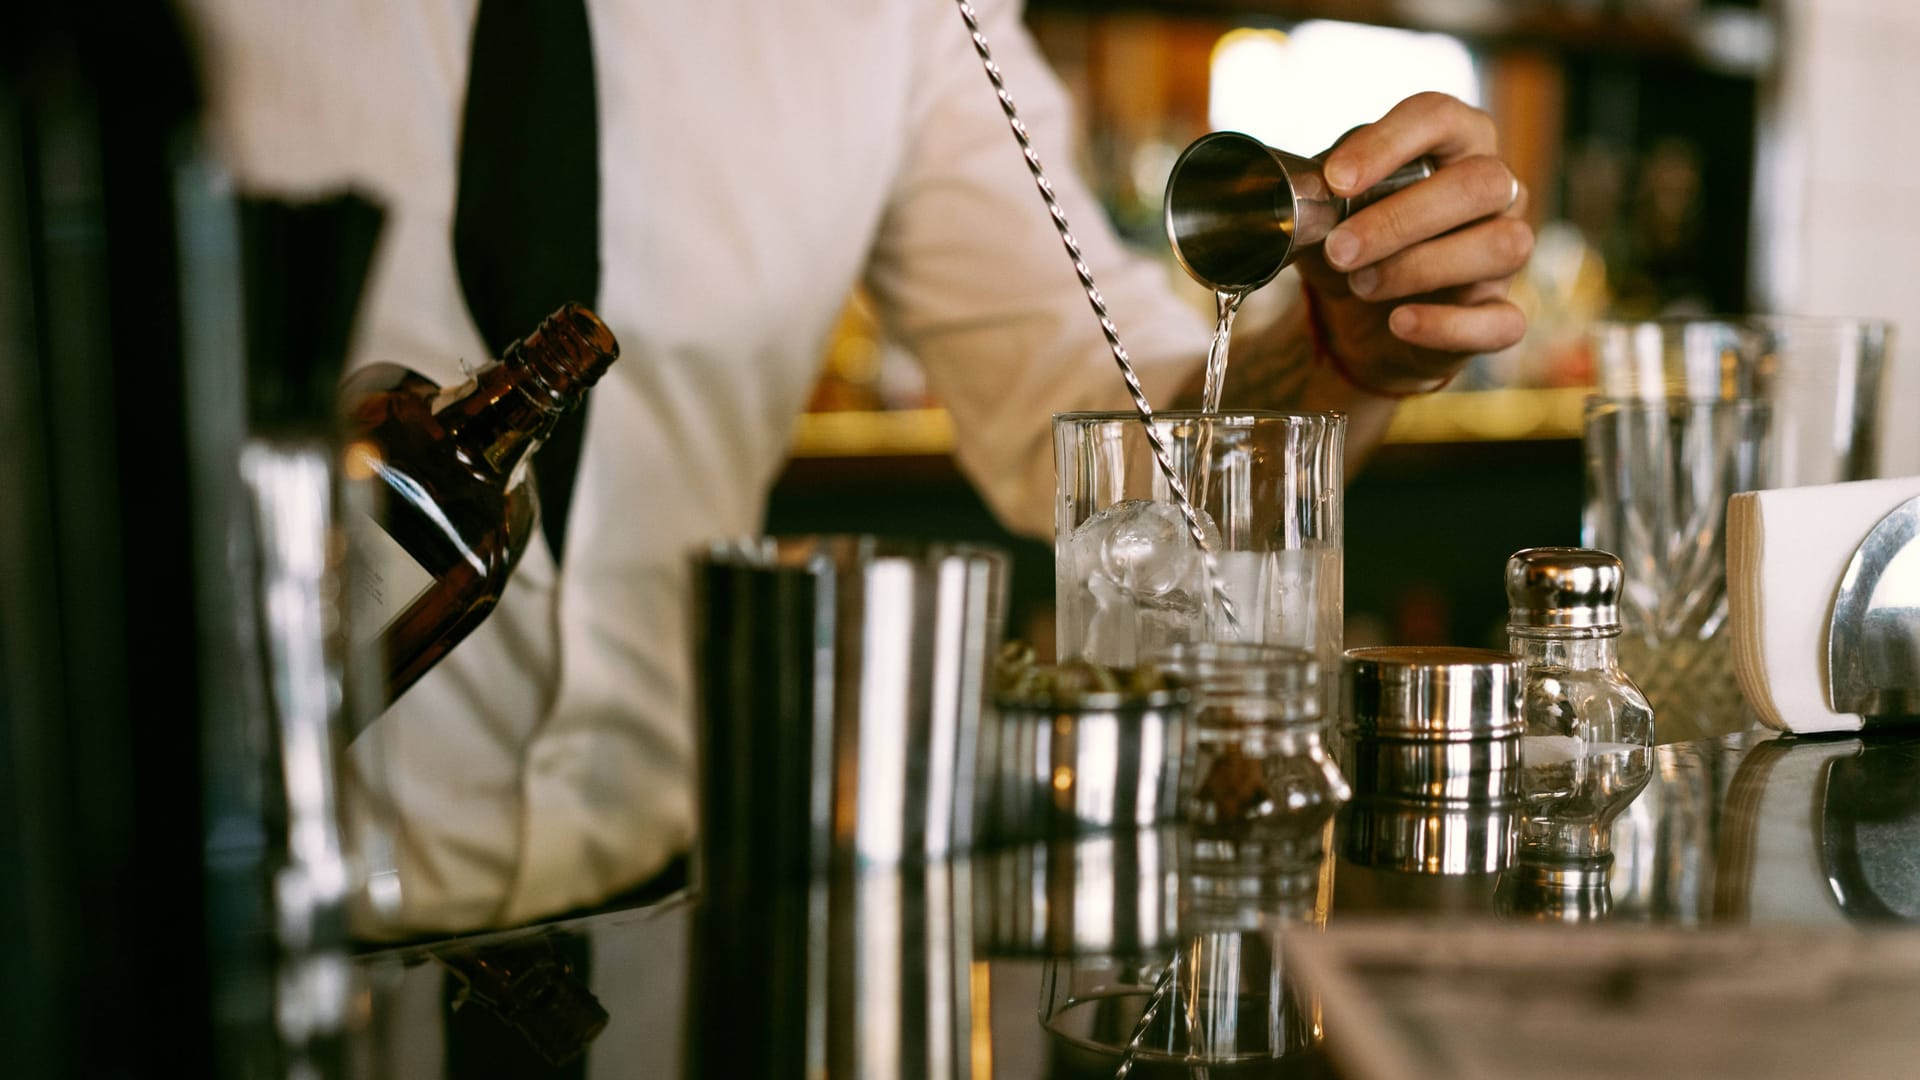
1323 353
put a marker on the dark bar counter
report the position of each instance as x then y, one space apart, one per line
949 968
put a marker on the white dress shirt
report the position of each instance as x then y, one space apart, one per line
759 159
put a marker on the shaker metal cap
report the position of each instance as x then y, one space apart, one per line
1431 692
1563 588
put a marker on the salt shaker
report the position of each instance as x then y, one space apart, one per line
1587 747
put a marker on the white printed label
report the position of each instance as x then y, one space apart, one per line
387 580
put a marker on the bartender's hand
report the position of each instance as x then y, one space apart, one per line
1411 287
1406 290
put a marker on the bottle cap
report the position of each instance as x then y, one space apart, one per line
1431 692
1563 588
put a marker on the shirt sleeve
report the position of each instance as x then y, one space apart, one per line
971 276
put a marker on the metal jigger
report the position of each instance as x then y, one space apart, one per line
1238 211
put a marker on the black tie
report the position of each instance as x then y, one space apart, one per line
526 225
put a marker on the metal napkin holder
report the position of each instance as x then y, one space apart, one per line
1873 639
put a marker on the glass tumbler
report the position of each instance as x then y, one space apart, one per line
1687 413
1129 581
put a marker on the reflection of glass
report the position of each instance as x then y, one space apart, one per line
1853 860
1688 413
1565 850
1108 894
1221 1000
1663 842
1257 793
1128 579
855 972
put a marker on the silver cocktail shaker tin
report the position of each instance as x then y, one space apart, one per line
840 683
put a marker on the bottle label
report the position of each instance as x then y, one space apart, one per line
386 579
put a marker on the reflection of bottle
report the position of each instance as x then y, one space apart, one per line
1588 747
453 465
528 985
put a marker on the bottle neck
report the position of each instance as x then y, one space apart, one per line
1583 650
516 400
496 423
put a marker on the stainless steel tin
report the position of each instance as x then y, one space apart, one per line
1433 807
840 685
1423 836
1430 692
1563 588
1096 761
1476 770
854 972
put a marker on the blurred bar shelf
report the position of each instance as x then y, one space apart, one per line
1480 416
1736 39
1490 416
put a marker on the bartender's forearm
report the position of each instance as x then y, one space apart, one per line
1275 369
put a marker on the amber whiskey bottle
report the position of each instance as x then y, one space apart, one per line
455 500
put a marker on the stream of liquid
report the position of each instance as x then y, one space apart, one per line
1213 382
1226 306
1162 457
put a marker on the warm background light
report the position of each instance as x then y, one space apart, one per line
1302 90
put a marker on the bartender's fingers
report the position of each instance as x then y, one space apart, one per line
1451 328
1494 248
1477 293
1468 190
1435 124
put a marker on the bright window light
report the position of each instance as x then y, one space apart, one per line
1300 91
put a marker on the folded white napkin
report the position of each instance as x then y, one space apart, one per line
1786 552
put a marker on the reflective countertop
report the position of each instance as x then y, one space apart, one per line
1053 959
